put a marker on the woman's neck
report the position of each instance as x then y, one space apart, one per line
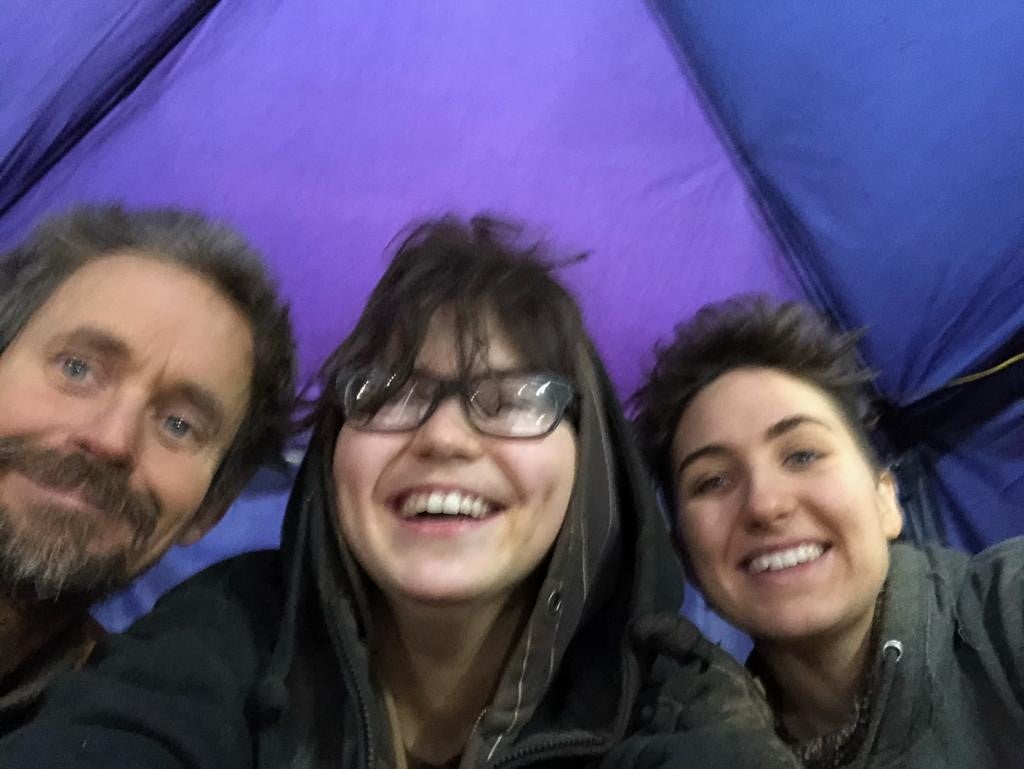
440 666
819 679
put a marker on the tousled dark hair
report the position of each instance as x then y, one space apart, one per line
749 331
481 272
59 246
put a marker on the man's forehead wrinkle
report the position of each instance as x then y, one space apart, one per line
163 379
225 402
164 342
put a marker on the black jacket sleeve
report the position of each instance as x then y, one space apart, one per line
170 693
698 707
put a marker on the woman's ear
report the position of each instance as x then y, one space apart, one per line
889 510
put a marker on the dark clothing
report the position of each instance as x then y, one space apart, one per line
947 674
263 661
21 689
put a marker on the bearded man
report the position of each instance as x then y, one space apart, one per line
146 371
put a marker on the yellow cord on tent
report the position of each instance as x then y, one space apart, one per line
987 372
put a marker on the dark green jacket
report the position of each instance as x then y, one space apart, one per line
950 662
262 662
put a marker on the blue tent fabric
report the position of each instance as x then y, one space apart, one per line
968 462
885 141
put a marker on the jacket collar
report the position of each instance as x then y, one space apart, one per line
912 629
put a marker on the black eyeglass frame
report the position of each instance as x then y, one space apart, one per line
465 389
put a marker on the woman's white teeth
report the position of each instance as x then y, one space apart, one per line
785 559
445 503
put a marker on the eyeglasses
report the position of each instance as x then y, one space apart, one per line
502 404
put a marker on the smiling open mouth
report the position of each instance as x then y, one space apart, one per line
786 559
444 506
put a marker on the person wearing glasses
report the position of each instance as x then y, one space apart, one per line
473 570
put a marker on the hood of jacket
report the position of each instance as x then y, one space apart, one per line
573 675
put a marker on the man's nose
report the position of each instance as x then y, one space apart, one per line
112 432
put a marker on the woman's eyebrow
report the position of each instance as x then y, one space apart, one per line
711 449
791 423
777 430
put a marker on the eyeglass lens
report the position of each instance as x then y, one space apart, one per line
504 405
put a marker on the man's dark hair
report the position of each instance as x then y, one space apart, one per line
480 271
749 331
59 246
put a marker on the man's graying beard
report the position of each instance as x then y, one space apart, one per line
54 559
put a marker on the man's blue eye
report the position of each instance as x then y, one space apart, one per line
75 368
177 427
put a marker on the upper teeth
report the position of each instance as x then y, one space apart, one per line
784 559
445 503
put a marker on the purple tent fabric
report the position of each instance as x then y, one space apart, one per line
321 128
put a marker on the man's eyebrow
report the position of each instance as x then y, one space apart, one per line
99 341
777 430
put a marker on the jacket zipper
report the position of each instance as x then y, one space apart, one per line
364 712
889 663
553 748
565 745
568 745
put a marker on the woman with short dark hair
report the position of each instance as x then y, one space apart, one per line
872 653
